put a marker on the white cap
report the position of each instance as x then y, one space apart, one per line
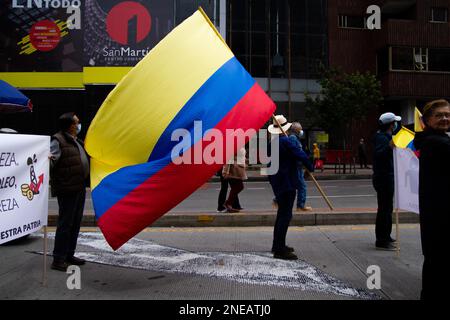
389 117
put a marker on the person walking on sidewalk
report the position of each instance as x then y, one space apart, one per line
295 133
69 171
362 154
284 185
235 174
318 164
383 179
433 145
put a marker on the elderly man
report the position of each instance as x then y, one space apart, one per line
69 173
295 133
284 185
383 179
434 190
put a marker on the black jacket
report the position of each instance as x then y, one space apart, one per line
383 159
434 190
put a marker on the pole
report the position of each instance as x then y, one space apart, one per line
44 273
397 232
310 174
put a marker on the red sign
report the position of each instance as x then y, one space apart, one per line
45 35
127 19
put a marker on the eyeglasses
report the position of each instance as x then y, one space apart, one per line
441 115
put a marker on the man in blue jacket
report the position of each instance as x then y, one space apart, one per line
284 185
383 179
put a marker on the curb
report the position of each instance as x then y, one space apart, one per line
257 219
318 177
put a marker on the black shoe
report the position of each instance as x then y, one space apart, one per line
392 240
60 265
285 255
386 246
286 248
76 261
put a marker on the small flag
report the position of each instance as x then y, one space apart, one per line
403 138
418 122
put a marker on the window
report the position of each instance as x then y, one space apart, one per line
439 15
352 22
414 59
439 59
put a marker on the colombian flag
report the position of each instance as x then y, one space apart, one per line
191 75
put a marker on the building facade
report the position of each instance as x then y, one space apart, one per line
282 43
410 54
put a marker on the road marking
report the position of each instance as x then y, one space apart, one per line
345 196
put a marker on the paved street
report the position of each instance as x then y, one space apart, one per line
257 196
221 263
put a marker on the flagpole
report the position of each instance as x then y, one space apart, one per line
397 232
44 273
310 174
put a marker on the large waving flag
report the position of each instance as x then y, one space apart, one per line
406 171
191 75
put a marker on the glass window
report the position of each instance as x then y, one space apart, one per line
439 15
439 59
402 58
185 8
352 22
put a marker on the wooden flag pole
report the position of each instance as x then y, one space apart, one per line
44 273
397 232
310 174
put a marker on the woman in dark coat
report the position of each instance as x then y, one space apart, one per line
434 192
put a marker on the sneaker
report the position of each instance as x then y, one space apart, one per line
386 247
288 249
76 261
60 265
285 255
304 209
221 210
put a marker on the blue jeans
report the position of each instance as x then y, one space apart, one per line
301 190
284 216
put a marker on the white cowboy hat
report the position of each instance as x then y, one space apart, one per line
275 129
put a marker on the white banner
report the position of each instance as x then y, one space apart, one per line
406 171
24 179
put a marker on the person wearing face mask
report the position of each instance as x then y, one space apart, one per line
383 179
69 171
295 134
433 145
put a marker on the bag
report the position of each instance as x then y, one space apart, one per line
318 164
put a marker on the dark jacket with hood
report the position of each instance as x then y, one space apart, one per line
434 190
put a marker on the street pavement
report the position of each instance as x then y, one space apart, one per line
220 264
354 202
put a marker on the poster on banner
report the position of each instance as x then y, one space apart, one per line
24 180
406 172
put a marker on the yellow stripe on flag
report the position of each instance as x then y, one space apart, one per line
403 137
154 91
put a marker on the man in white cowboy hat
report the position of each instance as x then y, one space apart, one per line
284 185
383 179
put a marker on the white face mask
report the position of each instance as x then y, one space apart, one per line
301 133
78 128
